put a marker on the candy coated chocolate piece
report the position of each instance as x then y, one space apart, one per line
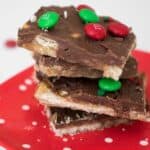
101 92
95 31
48 20
106 18
109 85
118 29
88 16
82 6
10 43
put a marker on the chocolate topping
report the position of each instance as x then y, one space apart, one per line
62 117
129 98
74 46
77 70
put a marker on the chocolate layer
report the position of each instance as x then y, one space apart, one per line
66 121
63 117
81 94
68 41
53 67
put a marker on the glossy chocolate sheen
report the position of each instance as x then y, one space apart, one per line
74 46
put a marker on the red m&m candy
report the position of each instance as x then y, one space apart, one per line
95 31
118 29
11 43
82 6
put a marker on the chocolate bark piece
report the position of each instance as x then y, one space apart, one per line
81 94
54 67
66 121
68 41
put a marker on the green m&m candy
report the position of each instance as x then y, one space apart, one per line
48 20
101 92
109 85
106 18
88 16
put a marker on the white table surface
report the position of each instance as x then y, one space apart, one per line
13 13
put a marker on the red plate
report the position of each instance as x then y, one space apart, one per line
23 124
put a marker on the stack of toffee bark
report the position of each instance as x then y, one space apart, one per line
87 78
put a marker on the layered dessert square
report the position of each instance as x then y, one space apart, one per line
68 40
66 121
53 67
82 94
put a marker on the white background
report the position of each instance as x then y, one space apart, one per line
13 13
